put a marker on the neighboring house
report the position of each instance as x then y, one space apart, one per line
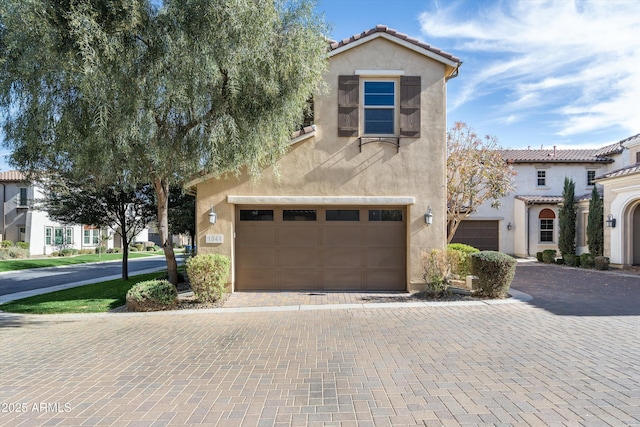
349 210
527 221
22 223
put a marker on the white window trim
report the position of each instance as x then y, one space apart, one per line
396 107
546 177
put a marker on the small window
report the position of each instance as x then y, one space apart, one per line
638 157
69 236
256 215
542 178
547 219
23 197
385 215
343 215
48 235
379 107
298 215
591 175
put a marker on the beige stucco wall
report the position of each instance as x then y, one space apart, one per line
621 199
328 165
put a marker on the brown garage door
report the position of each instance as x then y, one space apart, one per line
330 248
479 234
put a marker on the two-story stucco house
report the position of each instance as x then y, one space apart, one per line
22 223
349 210
527 221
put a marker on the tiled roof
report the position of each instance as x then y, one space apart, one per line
384 29
587 196
610 149
12 176
628 170
554 156
541 200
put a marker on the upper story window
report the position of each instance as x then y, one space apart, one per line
542 178
379 107
591 175
23 197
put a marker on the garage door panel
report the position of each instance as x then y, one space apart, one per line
298 236
257 257
387 237
340 279
257 279
294 257
300 278
385 279
256 236
349 237
342 257
383 257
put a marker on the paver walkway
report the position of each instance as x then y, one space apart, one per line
375 365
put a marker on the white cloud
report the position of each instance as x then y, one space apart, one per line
579 59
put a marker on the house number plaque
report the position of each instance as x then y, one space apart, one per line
214 238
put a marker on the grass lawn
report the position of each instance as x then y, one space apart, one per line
94 298
24 264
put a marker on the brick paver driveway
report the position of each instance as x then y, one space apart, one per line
506 364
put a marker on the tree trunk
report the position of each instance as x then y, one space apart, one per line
162 194
125 259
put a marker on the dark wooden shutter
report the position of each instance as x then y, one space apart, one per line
348 98
410 106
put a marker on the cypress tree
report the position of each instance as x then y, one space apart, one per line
595 228
567 218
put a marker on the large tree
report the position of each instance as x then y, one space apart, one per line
160 89
125 210
476 173
567 219
595 224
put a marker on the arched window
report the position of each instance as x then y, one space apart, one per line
547 218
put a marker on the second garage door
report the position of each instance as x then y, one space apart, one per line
479 234
329 248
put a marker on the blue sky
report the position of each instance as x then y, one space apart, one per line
534 73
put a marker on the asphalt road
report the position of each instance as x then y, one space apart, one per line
25 281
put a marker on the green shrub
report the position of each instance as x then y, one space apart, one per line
6 243
495 272
587 261
133 249
459 258
601 262
560 261
13 252
151 248
139 246
437 271
571 260
116 250
86 251
549 256
152 295
539 256
55 254
68 252
23 245
208 275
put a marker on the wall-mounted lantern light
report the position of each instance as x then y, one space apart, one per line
509 226
428 217
213 216
611 221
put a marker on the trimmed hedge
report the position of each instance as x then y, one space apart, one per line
208 275
549 256
601 263
6 243
571 260
495 272
587 261
22 245
539 257
152 295
458 256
